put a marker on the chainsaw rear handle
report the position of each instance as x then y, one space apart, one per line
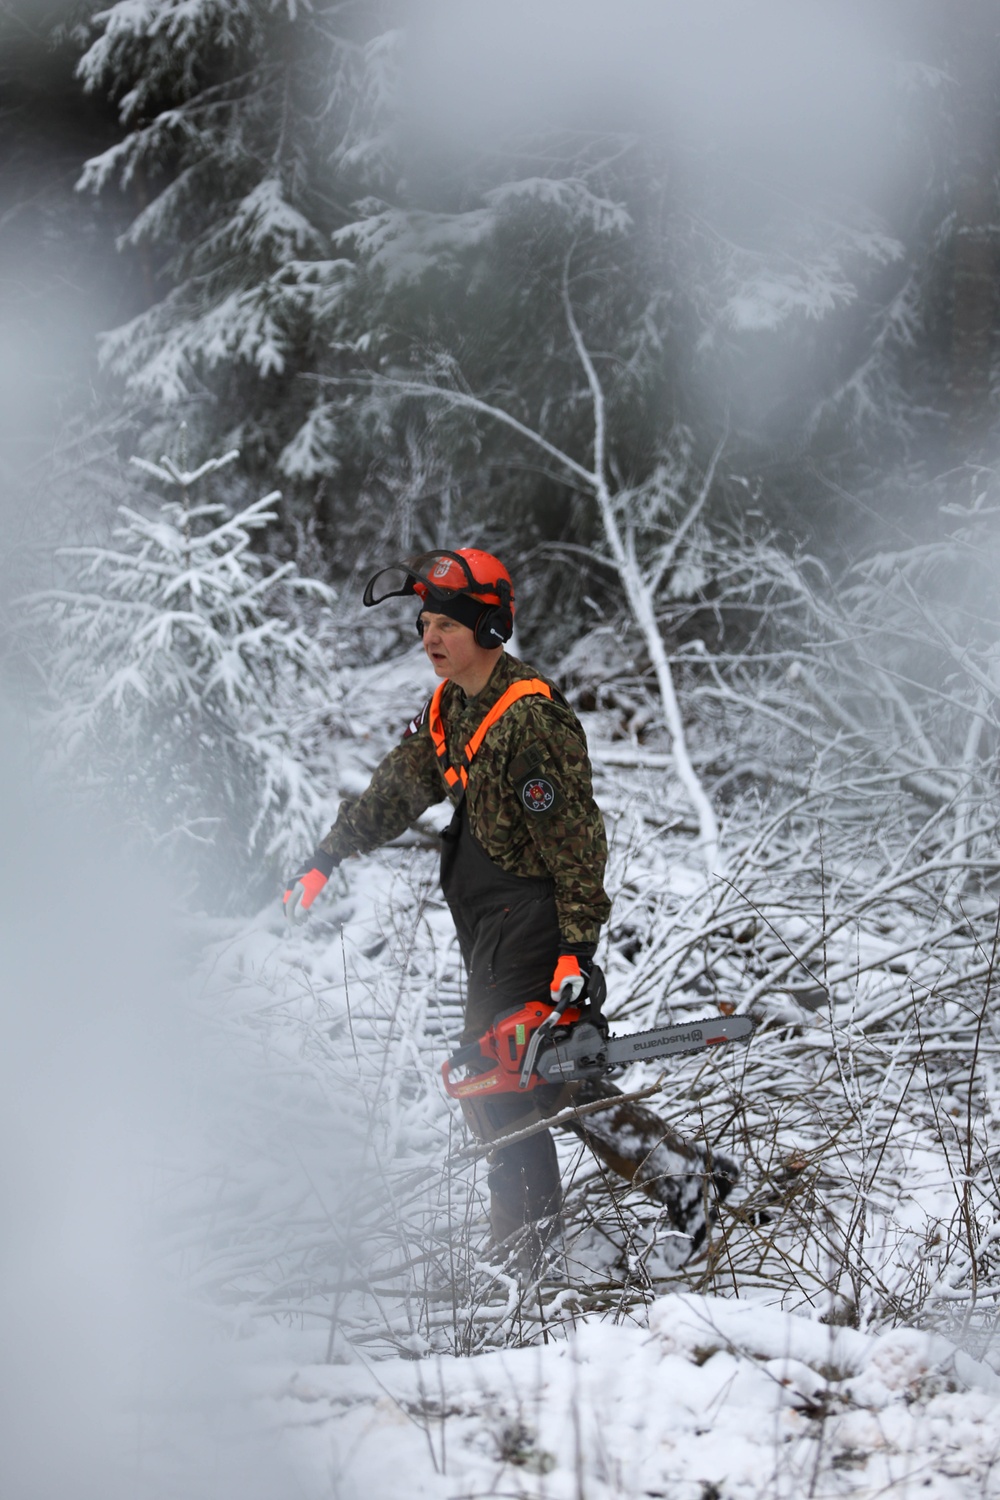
470 1053
477 1079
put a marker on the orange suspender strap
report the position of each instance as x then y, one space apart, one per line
530 687
436 724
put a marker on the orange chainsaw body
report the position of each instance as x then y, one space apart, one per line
494 1063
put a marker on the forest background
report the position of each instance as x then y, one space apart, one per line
692 320
690 314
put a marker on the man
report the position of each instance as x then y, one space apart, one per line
523 858
522 868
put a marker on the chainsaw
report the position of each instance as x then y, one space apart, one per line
539 1043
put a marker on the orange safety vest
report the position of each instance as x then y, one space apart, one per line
529 687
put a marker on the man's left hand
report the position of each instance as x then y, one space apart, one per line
568 976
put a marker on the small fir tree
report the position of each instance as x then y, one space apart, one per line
184 671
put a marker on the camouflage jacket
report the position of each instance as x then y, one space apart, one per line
530 800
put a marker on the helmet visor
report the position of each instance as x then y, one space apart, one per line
388 583
439 574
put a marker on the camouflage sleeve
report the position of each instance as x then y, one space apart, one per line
551 779
404 785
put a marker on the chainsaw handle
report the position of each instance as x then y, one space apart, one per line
466 1055
596 991
539 1035
491 1081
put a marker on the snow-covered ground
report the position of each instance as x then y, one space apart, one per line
612 1384
250 1255
704 1399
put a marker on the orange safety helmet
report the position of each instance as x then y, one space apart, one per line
469 585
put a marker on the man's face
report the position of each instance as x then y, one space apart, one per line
451 647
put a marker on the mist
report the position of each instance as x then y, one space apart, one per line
772 156
114 1382
800 94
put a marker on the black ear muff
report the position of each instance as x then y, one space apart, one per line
419 622
495 625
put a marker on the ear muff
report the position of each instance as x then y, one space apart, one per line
495 625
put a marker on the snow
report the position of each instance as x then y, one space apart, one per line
740 1391
703 1397
275 1384
321 1225
309 452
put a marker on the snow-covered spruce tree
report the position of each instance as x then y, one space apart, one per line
248 126
184 675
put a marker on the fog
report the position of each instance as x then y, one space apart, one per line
800 93
112 1382
772 153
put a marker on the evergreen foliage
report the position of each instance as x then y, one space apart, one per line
183 670
242 140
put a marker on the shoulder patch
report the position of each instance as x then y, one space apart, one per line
529 760
416 721
538 794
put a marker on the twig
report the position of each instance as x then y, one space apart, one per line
574 1112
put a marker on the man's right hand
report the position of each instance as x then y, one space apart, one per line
306 884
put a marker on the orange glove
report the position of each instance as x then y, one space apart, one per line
306 884
568 974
